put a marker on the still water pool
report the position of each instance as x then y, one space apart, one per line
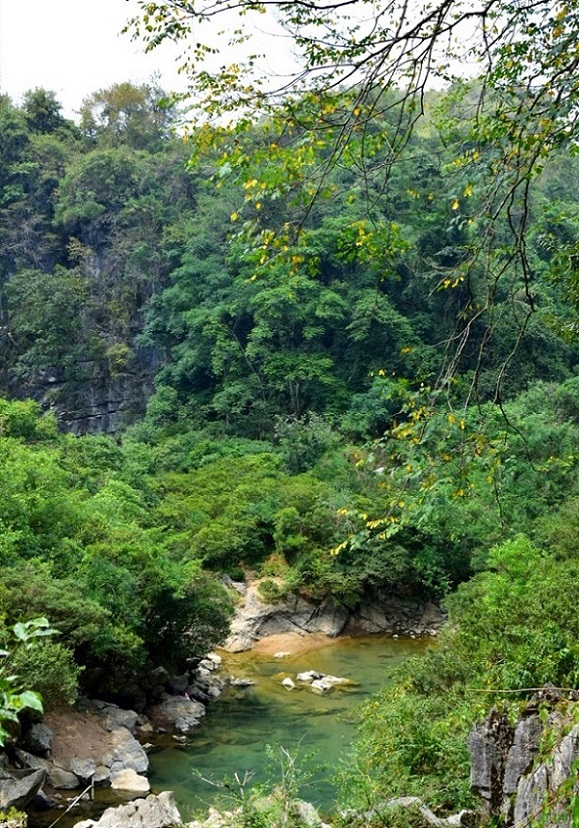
233 736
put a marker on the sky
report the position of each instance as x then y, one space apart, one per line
74 48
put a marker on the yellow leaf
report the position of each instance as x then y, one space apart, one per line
455 204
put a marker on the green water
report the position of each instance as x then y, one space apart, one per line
233 736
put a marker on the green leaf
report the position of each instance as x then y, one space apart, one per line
31 700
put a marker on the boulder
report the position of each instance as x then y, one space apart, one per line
307 815
39 739
235 681
176 685
322 685
27 760
211 662
85 769
63 780
18 788
179 713
125 752
198 695
153 812
309 676
116 717
207 681
130 781
102 775
288 683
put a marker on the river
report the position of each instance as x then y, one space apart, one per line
233 736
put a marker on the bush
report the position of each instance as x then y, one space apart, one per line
50 668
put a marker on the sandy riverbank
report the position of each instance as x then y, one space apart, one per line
293 643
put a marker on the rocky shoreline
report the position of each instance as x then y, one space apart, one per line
100 744
97 743
381 613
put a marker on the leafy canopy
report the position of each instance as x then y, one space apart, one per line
351 98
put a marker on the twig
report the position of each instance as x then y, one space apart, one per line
73 803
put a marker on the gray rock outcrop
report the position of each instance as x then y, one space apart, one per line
256 619
385 613
489 744
18 788
153 812
518 784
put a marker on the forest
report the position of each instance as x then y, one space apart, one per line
350 406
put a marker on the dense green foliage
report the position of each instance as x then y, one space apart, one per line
298 430
512 627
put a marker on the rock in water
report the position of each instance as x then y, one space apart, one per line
153 812
130 781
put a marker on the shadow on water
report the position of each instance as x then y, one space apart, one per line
233 737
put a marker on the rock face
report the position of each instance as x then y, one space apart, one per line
255 619
96 401
489 743
513 779
385 613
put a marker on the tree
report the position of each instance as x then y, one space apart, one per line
362 63
127 114
43 111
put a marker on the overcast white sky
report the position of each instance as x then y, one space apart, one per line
73 47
